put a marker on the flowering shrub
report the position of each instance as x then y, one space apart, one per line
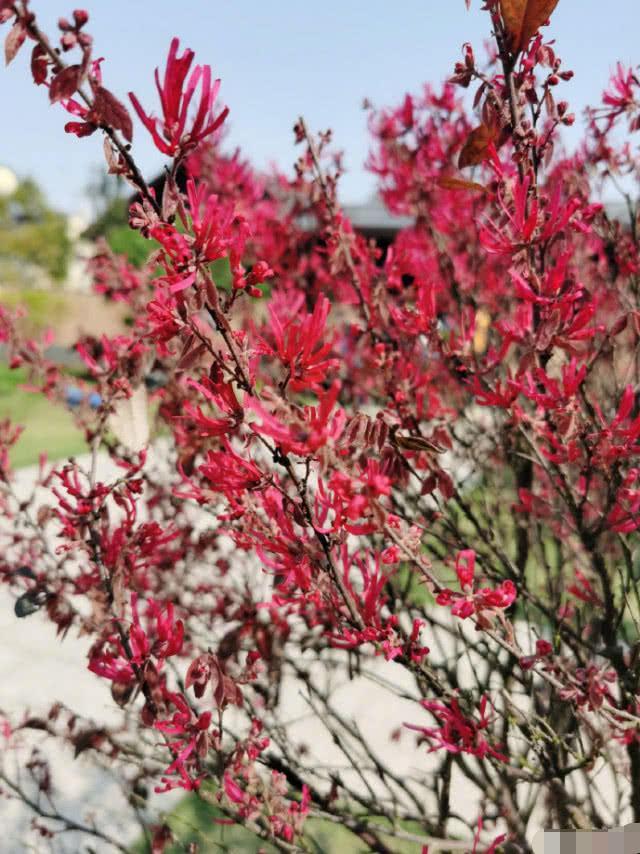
415 465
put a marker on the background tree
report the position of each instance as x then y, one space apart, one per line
31 231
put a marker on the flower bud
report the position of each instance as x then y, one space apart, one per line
543 648
619 326
68 41
80 16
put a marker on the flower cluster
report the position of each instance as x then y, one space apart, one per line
302 428
175 133
471 601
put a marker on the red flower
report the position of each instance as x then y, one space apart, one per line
299 345
170 134
457 733
465 567
214 222
191 742
464 604
208 669
583 589
622 94
230 473
543 649
590 687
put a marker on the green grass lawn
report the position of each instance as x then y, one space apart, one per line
193 820
43 308
48 428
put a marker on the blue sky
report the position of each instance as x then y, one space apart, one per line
280 59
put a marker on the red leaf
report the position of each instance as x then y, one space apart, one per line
476 147
89 739
65 83
108 110
114 162
39 64
14 41
198 674
80 128
523 18
170 198
162 836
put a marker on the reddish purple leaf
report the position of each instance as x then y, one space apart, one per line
65 83
80 128
108 110
522 19
39 64
14 41
451 183
476 146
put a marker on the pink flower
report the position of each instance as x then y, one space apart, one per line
5 729
465 567
232 790
230 473
468 602
107 659
169 635
583 589
170 134
457 733
299 345
590 687
543 649
178 766
390 555
492 847
622 94
214 222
